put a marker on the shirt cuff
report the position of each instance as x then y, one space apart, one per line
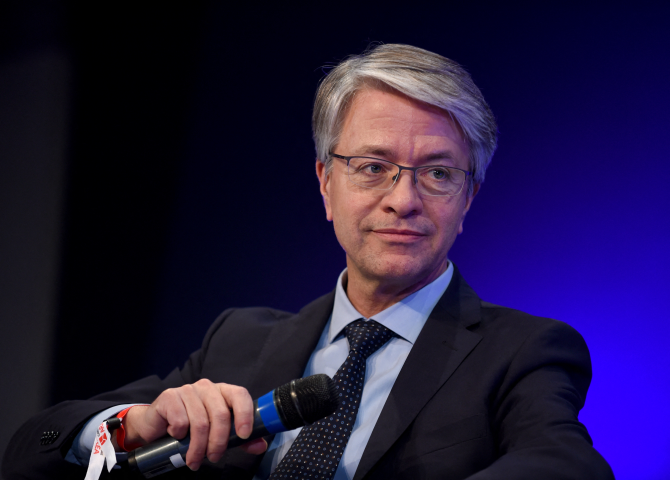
80 452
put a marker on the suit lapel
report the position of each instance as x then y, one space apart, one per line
444 342
290 345
283 358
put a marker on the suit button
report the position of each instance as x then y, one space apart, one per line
49 437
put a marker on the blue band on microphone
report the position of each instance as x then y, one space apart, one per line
268 413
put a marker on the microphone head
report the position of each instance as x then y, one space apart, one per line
316 396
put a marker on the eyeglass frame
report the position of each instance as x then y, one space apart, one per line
400 169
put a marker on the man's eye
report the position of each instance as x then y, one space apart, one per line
439 173
372 168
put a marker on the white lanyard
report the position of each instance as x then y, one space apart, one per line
102 450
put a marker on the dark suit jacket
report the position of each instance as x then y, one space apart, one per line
486 393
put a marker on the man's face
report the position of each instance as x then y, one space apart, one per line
396 238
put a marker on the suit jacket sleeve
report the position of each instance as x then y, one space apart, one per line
536 407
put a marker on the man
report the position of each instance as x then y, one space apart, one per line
456 388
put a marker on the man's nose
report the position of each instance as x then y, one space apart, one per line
403 198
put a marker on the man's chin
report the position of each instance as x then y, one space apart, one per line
402 272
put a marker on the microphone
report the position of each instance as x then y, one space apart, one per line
295 404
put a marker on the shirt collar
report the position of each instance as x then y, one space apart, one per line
405 318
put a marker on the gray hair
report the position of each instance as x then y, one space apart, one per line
417 73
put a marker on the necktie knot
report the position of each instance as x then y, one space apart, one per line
365 338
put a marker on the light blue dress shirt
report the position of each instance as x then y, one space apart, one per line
406 318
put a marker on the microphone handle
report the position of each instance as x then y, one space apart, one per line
168 453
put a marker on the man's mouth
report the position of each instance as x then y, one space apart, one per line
398 234
398 231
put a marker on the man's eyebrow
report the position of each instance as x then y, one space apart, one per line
390 154
443 155
376 150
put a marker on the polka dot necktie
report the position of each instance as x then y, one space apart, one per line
317 451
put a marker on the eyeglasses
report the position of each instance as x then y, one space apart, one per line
378 174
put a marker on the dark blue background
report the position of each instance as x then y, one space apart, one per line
177 110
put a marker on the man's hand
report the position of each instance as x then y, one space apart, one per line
204 408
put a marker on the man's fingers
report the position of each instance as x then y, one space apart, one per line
170 406
198 418
243 408
255 447
220 417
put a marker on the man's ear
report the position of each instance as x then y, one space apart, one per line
468 204
324 187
